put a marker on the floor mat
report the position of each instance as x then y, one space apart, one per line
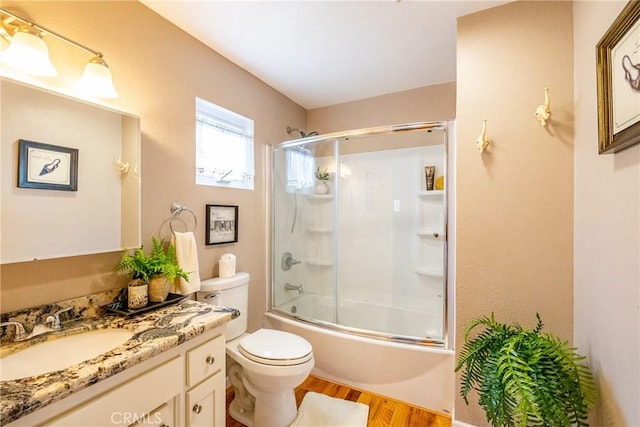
319 410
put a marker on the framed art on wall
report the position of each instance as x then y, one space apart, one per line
46 166
618 77
222 224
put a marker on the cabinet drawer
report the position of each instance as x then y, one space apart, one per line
205 360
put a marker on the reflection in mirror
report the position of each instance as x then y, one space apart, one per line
103 214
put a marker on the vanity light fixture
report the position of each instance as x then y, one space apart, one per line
28 52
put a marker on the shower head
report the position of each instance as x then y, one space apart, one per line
302 133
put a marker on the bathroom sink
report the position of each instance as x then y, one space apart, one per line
60 353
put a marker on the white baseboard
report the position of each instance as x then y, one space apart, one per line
456 423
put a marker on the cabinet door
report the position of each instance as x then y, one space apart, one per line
205 404
165 415
130 402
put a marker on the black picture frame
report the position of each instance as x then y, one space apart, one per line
222 224
618 90
47 166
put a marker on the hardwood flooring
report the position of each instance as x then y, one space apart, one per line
383 411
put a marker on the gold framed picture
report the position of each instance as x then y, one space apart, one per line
618 78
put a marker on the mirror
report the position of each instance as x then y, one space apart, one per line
42 221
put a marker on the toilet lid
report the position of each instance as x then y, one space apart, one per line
271 347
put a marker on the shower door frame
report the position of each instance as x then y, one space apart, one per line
448 130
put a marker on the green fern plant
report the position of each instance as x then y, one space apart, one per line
161 262
525 377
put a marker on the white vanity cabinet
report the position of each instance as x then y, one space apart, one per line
183 386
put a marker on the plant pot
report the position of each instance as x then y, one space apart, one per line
137 294
321 187
158 288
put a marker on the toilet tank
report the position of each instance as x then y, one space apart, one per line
232 292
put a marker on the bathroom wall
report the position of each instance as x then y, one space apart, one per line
514 247
158 70
607 238
429 103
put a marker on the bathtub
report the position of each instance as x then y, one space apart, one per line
413 373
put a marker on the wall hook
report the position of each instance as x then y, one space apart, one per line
543 112
483 142
123 167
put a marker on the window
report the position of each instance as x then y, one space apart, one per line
224 147
300 169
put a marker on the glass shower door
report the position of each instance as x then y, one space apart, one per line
391 235
303 231
364 250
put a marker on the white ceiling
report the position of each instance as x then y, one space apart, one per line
321 53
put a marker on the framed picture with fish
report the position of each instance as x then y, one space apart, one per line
618 78
47 166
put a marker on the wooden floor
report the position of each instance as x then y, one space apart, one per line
383 411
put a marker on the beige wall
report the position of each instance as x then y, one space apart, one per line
158 70
514 235
607 238
429 103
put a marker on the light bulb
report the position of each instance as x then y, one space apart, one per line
27 52
96 79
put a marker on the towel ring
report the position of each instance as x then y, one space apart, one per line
177 209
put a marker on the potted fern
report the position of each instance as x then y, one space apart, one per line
525 377
159 269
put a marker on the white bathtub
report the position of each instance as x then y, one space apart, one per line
420 375
384 319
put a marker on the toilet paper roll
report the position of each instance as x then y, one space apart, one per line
227 265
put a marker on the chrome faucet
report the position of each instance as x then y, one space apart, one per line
289 287
54 320
21 332
51 323
288 261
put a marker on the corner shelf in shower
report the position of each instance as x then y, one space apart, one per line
319 262
431 193
429 271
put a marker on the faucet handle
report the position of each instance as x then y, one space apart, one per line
54 319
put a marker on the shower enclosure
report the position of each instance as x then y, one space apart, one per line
359 237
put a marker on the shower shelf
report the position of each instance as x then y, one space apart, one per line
431 193
318 262
319 230
429 271
320 196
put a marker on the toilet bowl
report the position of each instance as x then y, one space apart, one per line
265 366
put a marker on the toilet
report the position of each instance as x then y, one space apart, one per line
265 366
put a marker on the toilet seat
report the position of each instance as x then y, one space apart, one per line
275 348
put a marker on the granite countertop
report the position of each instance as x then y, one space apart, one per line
154 332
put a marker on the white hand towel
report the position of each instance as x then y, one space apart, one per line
187 255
